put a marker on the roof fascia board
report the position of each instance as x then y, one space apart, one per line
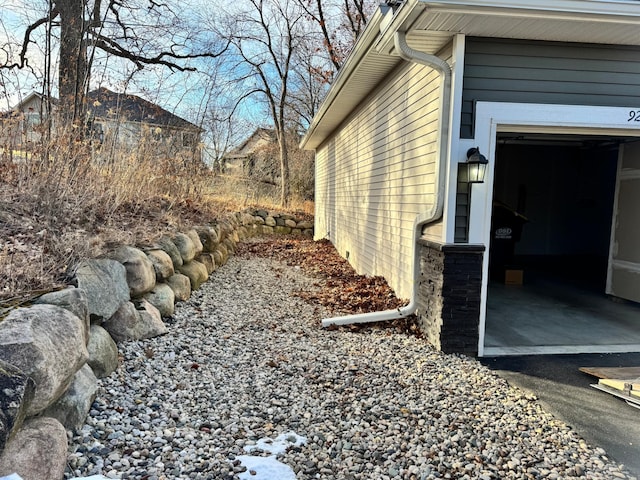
627 8
363 45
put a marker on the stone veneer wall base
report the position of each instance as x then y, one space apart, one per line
449 295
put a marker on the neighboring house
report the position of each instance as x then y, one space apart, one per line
21 128
114 119
550 93
253 156
123 120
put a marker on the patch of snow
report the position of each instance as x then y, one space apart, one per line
279 445
264 468
268 468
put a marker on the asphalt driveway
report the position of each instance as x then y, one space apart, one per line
600 418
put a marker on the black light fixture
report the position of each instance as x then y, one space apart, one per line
474 169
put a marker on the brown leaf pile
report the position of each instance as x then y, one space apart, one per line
341 289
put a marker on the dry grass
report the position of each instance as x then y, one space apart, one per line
65 203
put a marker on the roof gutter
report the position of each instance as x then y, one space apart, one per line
435 212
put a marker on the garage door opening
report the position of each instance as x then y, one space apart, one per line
554 199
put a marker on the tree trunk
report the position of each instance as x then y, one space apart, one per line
284 170
73 68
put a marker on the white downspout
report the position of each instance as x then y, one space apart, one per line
411 55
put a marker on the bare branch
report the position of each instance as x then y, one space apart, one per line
23 62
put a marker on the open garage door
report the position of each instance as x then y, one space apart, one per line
579 200
623 277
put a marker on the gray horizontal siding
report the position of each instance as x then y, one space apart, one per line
501 70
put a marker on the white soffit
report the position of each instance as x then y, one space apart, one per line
527 25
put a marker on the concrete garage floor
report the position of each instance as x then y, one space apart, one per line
547 316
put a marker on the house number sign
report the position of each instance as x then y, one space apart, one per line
634 116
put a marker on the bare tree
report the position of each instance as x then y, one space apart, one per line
339 22
265 37
144 32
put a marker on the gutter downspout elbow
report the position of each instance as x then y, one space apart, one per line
435 212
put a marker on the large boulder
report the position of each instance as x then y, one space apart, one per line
103 352
195 238
72 408
209 262
16 392
304 225
37 452
185 246
181 286
166 244
47 343
230 244
163 298
135 322
196 272
141 276
105 283
208 237
162 264
224 251
73 299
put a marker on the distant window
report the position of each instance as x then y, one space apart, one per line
188 139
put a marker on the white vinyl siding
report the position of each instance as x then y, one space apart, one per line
377 172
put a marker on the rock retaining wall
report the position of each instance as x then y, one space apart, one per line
53 352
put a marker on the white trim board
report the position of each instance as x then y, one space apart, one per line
492 118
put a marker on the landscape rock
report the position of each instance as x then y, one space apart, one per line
103 352
218 257
185 246
290 223
224 249
246 219
209 261
270 221
283 230
305 225
72 408
163 298
47 343
105 283
162 264
141 275
208 238
73 299
135 322
166 244
195 238
181 286
16 392
196 272
231 246
37 452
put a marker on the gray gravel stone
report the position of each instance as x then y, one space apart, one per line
246 359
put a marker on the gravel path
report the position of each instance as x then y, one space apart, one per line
245 359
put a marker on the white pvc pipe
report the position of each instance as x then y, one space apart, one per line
435 212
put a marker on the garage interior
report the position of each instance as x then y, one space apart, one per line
553 204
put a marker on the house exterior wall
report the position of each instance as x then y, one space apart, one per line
376 173
519 71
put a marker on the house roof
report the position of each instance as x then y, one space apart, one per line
430 26
259 138
103 103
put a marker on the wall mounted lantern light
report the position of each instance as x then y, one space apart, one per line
474 169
